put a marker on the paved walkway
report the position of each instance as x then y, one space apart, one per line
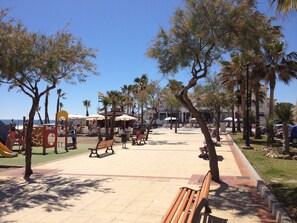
136 184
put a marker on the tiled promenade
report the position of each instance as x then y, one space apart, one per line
136 184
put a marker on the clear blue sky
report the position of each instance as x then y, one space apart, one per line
121 30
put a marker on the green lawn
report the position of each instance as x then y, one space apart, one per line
38 157
279 175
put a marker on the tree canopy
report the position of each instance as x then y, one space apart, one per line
36 63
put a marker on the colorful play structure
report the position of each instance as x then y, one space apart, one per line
4 151
41 136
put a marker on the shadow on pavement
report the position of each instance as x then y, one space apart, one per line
165 142
52 192
238 201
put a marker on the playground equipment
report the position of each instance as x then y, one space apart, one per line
4 151
41 135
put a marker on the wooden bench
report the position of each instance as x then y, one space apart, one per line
141 139
102 145
188 204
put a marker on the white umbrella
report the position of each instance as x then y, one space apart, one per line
95 117
229 119
170 118
76 116
125 117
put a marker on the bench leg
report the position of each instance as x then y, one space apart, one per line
109 148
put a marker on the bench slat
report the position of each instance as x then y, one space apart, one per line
171 211
188 203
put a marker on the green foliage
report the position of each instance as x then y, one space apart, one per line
284 111
285 6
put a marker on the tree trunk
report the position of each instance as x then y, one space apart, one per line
286 138
106 123
142 121
58 105
272 86
243 109
213 159
233 121
112 122
257 118
171 110
29 129
218 115
99 134
46 116
40 119
238 120
176 121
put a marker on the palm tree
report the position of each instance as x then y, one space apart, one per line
284 112
114 97
257 75
61 95
87 104
285 6
175 87
106 102
232 75
279 67
127 99
141 83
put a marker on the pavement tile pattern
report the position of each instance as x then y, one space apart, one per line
136 184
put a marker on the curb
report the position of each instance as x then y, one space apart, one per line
269 198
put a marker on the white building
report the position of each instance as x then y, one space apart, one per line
184 115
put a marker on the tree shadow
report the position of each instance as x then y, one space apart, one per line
165 142
51 192
238 200
187 133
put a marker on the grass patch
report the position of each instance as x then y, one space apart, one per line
279 175
38 157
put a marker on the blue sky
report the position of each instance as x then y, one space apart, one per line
121 31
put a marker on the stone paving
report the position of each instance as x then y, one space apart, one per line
136 184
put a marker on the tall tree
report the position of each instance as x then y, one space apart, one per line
200 33
232 76
128 100
215 98
46 115
258 74
175 87
285 6
106 102
153 102
61 95
284 113
280 66
29 61
141 83
87 104
115 97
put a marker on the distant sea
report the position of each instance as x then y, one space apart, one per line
19 122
